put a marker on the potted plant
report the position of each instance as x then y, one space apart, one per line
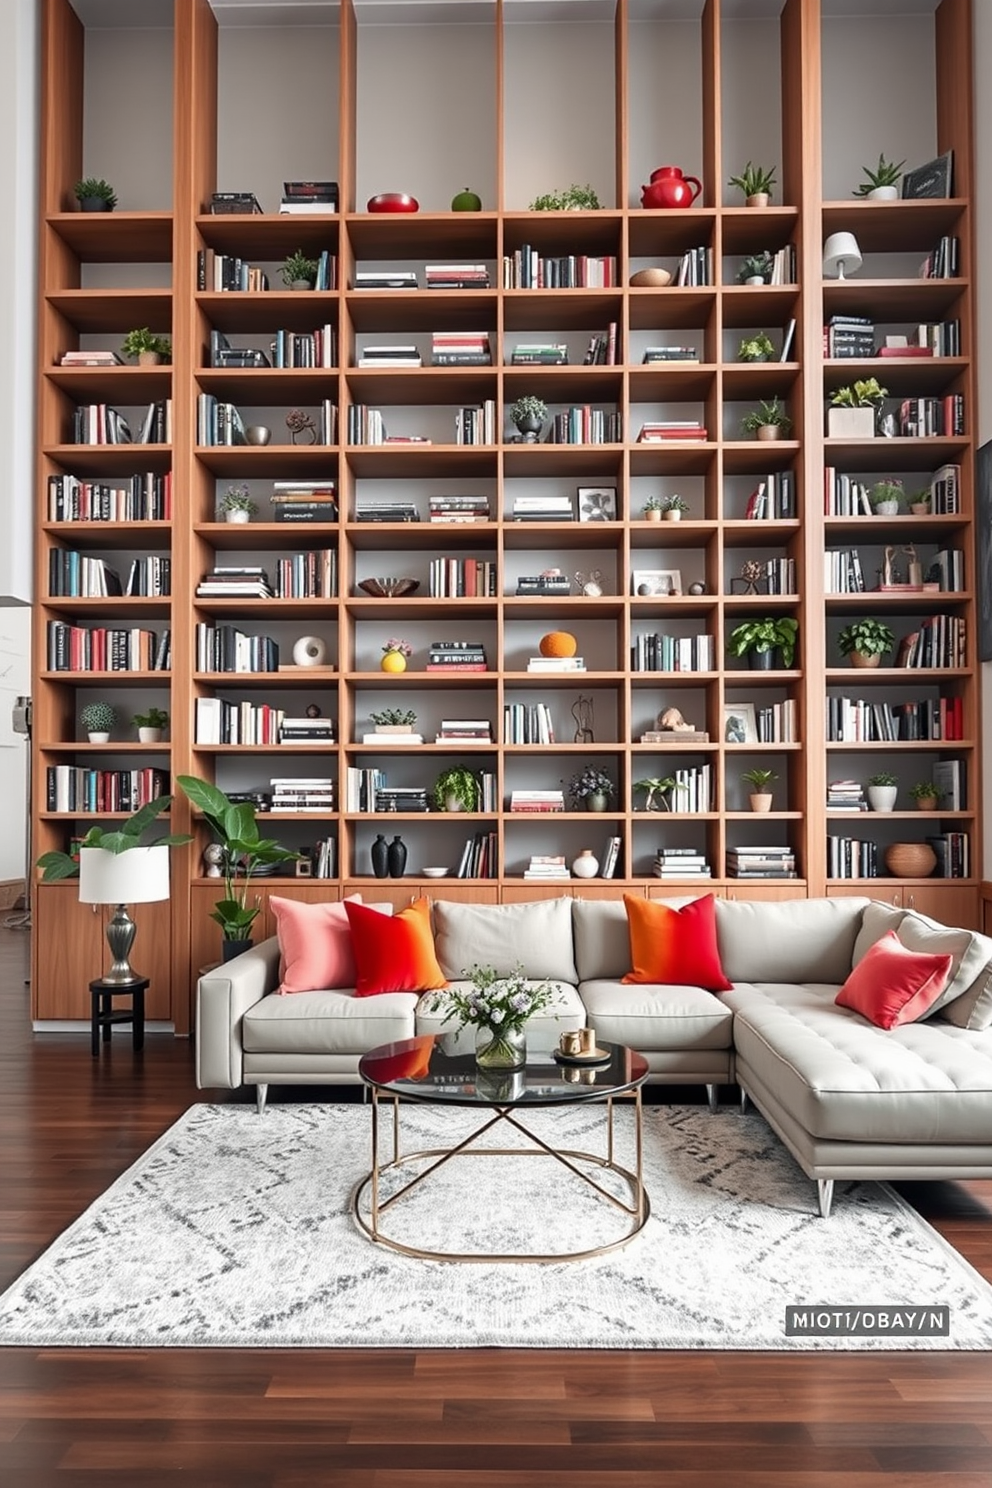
768 421
456 789
498 1008
94 195
572 199
395 654
528 414
882 791
235 828
592 788
151 724
761 796
926 795
672 508
866 642
854 409
919 502
236 504
148 348
755 269
881 183
759 640
653 508
757 348
885 496
299 271
124 837
659 791
394 720
756 182
98 719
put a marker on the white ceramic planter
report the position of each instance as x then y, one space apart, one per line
883 193
149 735
882 797
851 423
237 518
97 736
672 516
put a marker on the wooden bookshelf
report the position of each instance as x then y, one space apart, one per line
102 274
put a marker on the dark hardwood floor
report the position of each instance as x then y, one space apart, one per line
117 1418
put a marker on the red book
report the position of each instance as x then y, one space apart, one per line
456 666
905 351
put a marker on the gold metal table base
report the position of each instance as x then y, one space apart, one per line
636 1211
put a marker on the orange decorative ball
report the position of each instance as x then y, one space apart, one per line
559 643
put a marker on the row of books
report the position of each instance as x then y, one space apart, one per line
217 721
79 788
323 858
583 424
660 652
693 790
851 857
929 418
527 268
76 575
775 723
938 641
480 857
527 723
99 648
316 348
943 261
145 497
228 271
861 721
461 577
476 424
99 423
695 266
225 648
779 575
773 498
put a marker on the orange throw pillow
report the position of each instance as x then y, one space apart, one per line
675 947
394 954
892 985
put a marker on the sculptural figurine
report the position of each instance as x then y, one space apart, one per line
213 858
671 721
582 713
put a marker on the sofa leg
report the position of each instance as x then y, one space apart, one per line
745 1102
713 1096
261 1096
825 1192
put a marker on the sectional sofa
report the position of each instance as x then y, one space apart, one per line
849 1099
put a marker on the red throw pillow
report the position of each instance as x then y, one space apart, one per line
891 985
394 954
674 946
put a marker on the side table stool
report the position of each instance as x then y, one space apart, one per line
102 1014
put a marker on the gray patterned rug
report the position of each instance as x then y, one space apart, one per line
236 1231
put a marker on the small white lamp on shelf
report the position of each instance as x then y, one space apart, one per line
841 255
137 876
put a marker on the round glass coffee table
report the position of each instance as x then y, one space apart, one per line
420 1070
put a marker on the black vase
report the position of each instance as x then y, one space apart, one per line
379 853
397 857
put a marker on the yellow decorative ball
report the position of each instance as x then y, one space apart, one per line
559 643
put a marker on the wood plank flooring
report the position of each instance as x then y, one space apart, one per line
69 1124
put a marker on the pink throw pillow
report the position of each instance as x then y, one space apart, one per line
892 985
315 943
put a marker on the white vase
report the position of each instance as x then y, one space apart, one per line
149 735
237 516
585 865
98 736
882 797
886 508
883 193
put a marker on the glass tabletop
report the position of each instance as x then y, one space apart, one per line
420 1069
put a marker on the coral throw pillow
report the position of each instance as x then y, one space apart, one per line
891 985
394 954
674 946
314 944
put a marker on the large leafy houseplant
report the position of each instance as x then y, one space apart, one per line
56 865
777 632
245 850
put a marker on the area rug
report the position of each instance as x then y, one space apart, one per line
236 1230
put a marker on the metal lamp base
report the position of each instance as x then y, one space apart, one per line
120 937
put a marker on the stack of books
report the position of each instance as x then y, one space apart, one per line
670 354
547 584
549 868
544 508
224 203
399 355
537 801
228 582
91 358
681 862
385 279
461 349
658 431
314 197
761 862
464 731
539 354
304 501
386 511
456 276
304 793
401 798
556 664
847 336
457 656
846 795
459 508
395 736
306 730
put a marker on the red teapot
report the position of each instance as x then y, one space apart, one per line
670 188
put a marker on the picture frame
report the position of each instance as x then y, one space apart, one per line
740 725
930 180
656 583
597 503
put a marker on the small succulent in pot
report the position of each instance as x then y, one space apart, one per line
885 495
760 779
573 198
755 269
925 794
885 173
754 180
92 190
770 413
673 505
298 268
756 348
98 718
882 777
394 718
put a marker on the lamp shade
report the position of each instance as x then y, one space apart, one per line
138 876
841 253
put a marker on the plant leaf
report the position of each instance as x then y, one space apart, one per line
56 865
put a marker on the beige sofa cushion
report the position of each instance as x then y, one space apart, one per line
971 953
334 1022
602 936
646 1015
876 919
536 936
973 1009
789 940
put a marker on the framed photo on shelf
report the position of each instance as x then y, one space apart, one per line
739 724
656 583
932 179
597 503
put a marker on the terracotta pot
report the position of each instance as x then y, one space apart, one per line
859 659
927 803
761 801
910 859
149 358
759 199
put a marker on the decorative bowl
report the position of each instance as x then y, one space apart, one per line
434 872
393 201
389 588
651 278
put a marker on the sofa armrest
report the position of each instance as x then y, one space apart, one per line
223 996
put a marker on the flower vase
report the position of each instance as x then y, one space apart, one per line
393 661
506 1049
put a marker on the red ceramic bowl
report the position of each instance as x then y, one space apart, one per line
393 201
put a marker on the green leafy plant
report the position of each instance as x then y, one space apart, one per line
459 783
156 718
298 267
779 632
882 778
755 348
754 180
143 339
885 173
93 188
568 200
394 717
920 498
755 265
868 637
866 393
56 865
760 779
673 503
528 407
770 411
925 790
238 498
98 718
660 786
590 782
654 503
245 850
889 489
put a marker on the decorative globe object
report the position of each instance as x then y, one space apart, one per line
558 643
466 201
910 859
586 865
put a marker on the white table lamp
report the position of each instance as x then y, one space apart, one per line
841 253
138 876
